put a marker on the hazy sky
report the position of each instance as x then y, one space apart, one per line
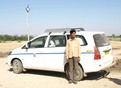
92 15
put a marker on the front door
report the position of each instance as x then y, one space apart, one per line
34 53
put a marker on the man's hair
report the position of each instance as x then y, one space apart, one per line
72 30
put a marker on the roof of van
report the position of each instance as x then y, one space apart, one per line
89 33
81 32
59 31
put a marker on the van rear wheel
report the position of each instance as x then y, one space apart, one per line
80 75
17 66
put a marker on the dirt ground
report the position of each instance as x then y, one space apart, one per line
49 79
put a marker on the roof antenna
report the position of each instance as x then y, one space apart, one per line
64 32
49 33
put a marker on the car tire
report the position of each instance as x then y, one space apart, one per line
80 75
17 66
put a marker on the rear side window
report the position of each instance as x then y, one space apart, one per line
81 39
101 40
57 41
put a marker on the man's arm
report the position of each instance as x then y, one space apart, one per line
67 47
79 48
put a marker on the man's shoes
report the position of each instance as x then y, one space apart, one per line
107 73
70 81
75 82
85 75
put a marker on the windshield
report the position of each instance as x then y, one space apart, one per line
101 40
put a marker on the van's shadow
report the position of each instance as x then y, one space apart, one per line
46 73
43 72
90 76
115 80
97 75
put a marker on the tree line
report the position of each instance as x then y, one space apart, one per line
114 37
5 37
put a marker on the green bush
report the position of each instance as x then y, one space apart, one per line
4 38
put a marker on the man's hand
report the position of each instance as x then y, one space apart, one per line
78 59
67 59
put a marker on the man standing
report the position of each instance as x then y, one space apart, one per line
73 51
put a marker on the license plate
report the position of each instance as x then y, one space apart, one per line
106 53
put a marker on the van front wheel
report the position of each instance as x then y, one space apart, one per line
17 66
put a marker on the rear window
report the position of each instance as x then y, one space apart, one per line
101 40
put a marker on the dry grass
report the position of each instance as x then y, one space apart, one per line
115 44
6 47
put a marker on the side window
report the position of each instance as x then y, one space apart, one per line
81 39
38 43
57 41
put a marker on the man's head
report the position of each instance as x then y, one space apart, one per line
72 33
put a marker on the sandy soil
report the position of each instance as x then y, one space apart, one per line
46 79
49 79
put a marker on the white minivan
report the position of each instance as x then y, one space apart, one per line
47 52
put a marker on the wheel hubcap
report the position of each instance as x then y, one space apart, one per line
15 66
